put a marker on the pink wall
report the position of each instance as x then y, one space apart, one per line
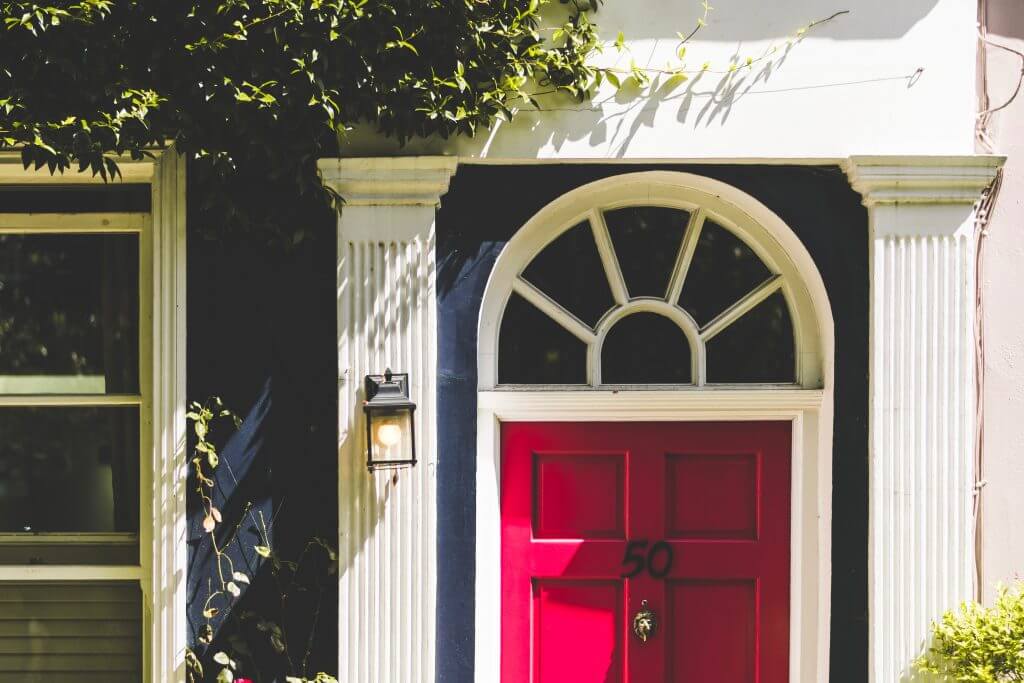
1002 523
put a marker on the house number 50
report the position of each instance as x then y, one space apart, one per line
657 561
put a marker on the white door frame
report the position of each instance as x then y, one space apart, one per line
807 404
810 411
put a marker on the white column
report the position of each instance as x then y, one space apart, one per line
922 396
387 318
168 553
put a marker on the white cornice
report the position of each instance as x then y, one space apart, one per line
12 172
889 180
379 181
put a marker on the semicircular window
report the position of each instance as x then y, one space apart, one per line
645 348
647 295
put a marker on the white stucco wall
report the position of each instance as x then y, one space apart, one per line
846 88
1003 465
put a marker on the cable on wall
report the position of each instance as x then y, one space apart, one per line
983 215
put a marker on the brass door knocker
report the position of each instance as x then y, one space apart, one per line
645 623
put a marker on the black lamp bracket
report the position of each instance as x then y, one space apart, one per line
389 390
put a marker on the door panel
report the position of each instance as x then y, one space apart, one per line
573 617
567 487
712 630
733 478
697 514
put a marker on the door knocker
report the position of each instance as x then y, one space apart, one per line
644 623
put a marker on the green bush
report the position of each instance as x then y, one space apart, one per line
980 644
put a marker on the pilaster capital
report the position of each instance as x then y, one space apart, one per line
388 181
891 179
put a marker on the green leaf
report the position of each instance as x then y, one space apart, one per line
673 82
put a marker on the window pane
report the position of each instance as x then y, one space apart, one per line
69 469
722 271
534 349
69 314
569 270
759 347
646 240
645 348
87 632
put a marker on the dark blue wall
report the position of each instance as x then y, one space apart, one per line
261 334
482 210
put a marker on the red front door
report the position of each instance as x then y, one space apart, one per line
692 518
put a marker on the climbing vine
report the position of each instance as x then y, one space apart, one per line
259 642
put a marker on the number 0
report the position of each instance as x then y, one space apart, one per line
661 550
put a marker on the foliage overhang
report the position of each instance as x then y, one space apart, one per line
270 84
255 91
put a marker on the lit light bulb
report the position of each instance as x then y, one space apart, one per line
389 434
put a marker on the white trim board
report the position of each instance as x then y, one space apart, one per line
61 223
13 172
166 563
68 572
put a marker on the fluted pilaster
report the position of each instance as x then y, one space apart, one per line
387 318
922 393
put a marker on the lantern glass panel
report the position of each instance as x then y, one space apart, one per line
391 434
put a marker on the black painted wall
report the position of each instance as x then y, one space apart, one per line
485 206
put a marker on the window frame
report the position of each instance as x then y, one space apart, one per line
97 224
162 561
652 188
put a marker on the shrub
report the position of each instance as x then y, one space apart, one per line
980 644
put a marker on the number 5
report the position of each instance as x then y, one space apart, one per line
635 556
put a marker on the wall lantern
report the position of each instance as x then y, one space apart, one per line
390 436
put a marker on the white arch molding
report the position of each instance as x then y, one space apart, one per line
808 403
